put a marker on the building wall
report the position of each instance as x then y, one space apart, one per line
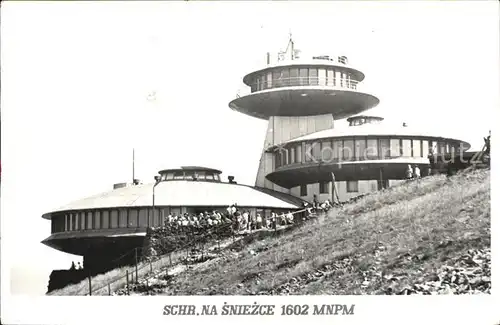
284 128
365 186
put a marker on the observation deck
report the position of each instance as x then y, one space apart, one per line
303 88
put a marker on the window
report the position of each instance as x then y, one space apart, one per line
277 160
352 186
285 78
303 77
348 150
294 77
113 219
303 190
66 222
175 211
82 221
284 157
453 149
209 176
263 82
371 149
313 76
406 148
323 187
89 220
189 175
170 176
330 77
74 221
360 149
381 184
179 175
308 152
441 147
156 217
292 155
201 175
254 86
123 218
298 153
337 149
434 146
395 152
277 79
425 148
326 151
97 219
143 217
269 80
105 219
316 150
416 148
322 77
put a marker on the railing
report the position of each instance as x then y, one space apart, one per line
132 274
334 83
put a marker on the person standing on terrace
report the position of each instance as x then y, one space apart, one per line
409 172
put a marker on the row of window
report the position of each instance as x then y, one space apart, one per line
351 149
124 218
105 219
351 187
289 77
190 175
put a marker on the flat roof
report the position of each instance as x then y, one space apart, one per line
379 129
306 62
184 193
189 168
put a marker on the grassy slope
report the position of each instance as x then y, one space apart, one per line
406 231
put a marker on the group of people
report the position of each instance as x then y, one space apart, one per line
74 267
413 172
318 207
240 220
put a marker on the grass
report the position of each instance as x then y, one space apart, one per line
406 231
116 278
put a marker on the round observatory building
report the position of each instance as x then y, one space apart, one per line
304 153
108 225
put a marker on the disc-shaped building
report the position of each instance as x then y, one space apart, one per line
105 226
304 153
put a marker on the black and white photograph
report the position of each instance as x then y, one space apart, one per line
263 160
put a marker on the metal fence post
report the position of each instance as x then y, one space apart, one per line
170 258
90 285
128 287
136 271
109 290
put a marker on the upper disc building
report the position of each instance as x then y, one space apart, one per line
305 152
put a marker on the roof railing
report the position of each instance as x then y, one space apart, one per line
333 83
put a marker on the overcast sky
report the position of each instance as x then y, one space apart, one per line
77 80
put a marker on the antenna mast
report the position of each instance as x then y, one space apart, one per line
133 165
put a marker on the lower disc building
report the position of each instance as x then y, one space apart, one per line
104 227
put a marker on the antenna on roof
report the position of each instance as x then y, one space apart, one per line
133 165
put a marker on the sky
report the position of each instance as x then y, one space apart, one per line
83 83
